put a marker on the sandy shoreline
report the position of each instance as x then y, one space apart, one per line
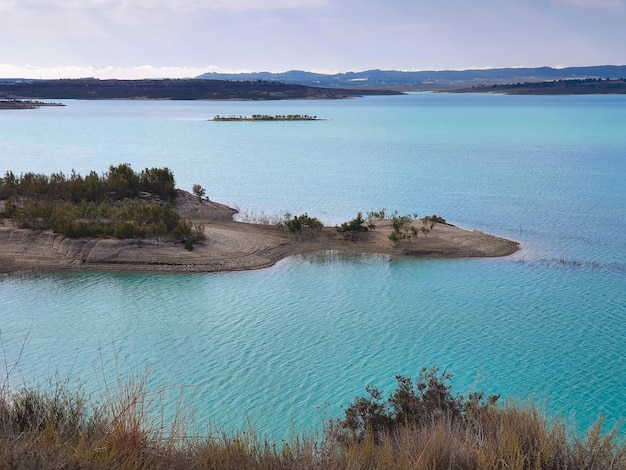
229 246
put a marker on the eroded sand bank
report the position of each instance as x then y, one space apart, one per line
229 246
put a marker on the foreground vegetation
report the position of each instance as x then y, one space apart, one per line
421 425
120 203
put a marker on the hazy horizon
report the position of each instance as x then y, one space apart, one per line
186 38
148 72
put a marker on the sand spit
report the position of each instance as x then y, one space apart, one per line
229 246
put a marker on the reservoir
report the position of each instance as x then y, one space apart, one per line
292 344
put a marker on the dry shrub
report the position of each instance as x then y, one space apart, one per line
57 428
599 450
423 425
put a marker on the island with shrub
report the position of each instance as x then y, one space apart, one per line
139 221
267 117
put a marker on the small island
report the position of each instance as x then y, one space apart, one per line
25 104
267 117
138 221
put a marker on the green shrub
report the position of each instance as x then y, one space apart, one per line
127 229
355 229
119 183
302 226
427 399
189 233
404 229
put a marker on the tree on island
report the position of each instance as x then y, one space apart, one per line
198 191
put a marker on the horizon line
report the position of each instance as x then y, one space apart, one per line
30 72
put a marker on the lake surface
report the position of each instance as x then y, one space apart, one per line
295 342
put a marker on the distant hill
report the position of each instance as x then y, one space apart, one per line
297 84
428 80
583 86
184 89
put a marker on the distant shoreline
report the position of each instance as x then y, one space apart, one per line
588 86
175 89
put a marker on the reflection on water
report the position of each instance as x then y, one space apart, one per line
326 257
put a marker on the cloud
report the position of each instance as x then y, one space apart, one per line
168 5
130 73
280 35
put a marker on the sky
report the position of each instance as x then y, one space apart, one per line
185 38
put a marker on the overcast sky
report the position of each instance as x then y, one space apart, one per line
181 38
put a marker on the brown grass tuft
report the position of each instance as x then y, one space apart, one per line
57 428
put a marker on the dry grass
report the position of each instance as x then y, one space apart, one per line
258 217
57 428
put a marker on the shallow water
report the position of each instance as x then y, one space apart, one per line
295 342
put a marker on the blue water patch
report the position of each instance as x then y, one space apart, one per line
295 342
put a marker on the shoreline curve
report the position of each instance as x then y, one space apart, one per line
229 246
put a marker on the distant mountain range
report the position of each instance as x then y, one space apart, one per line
428 80
307 85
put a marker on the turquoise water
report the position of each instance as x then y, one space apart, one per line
295 342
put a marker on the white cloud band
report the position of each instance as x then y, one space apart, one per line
173 5
138 72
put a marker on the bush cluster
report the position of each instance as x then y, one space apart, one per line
118 183
411 404
403 228
121 219
302 227
120 204
355 229
422 424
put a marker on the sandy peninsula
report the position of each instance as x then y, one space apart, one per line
229 246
